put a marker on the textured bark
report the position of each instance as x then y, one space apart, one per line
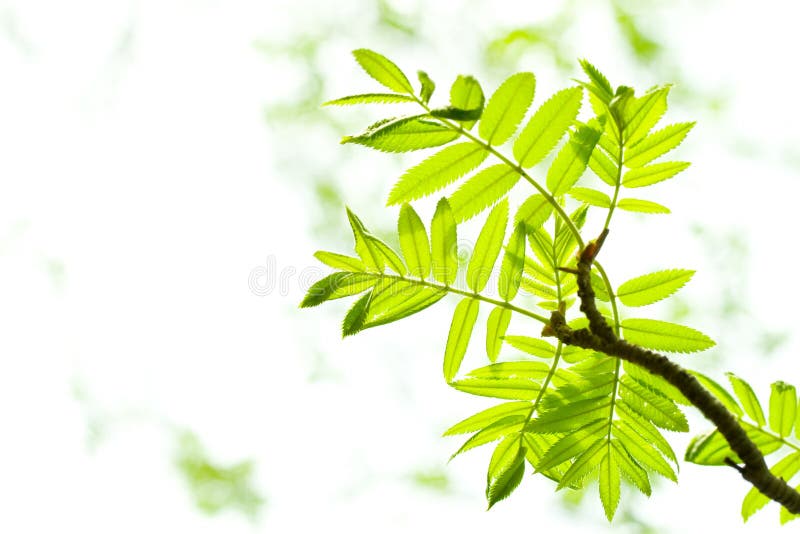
601 337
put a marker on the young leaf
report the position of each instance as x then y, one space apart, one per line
510 370
571 161
505 478
590 196
641 206
782 408
394 299
599 84
786 468
506 108
661 335
340 261
511 424
383 70
571 416
414 242
338 285
719 392
512 388
653 287
444 259
641 451
547 126
646 430
533 212
657 144
585 463
482 190
366 248
390 257
457 340
641 114
632 471
487 247
354 320
513 264
370 98
427 88
653 407
652 174
572 445
748 399
604 168
487 417
403 134
457 114
532 346
609 482
436 172
466 93
496 327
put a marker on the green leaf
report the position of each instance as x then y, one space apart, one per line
370 98
533 212
641 206
340 261
547 126
507 107
651 174
609 482
485 418
786 468
653 407
541 291
603 167
510 370
657 144
584 464
646 430
632 471
571 161
383 70
354 320
641 114
366 248
390 257
642 452
436 172
511 424
395 298
487 247
513 265
460 331
466 93
482 190
337 285
511 389
782 407
532 346
711 448
599 84
427 84
572 445
650 288
496 327
661 335
590 196
457 114
414 242
571 416
747 398
506 470
719 392
403 134
444 259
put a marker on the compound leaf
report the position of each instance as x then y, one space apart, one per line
414 242
507 107
571 161
444 259
482 190
496 326
487 247
383 70
661 335
547 126
651 174
340 261
650 288
641 206
370 98
513 265
747 398
657 144
464 318
782 407
403 134
590 196
487 417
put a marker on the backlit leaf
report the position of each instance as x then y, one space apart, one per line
547 126
609 482
482 190
414 242
651 174
782 407
394 299
496 326
747 398
370 98
436 172
506 108
457 340
535 347
657 144
599 82
340 261
785 468
510 424
486 417
719 392
590 196
487 247
383 70
511 389
466 93
403 134
571 161
650 288
338 285
533 212
513 265
427 86
641 206
366 248
444 259
505 476
661 335
642 113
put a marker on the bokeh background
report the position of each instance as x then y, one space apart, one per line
167 173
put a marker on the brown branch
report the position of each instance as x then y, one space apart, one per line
601 337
